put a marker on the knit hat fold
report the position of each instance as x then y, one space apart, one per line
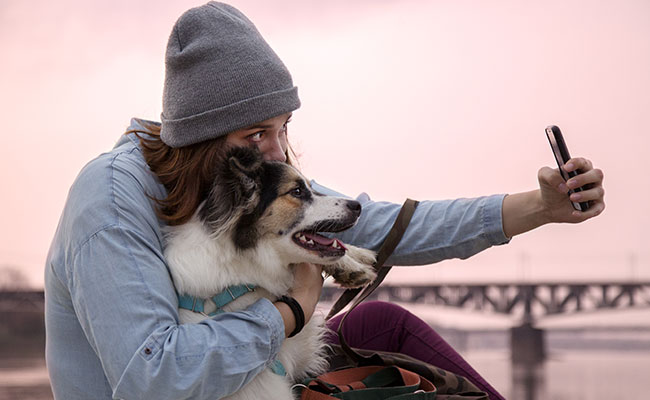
220 76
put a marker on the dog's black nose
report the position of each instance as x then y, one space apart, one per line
354 206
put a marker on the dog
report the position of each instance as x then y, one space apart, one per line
259 218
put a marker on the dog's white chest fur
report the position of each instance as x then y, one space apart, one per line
202 267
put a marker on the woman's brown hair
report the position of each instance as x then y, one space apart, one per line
186 172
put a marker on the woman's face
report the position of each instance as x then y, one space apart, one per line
269 136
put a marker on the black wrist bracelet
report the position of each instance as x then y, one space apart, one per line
298 314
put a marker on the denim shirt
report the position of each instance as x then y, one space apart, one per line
111 309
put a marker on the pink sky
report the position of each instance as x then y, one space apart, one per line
425 99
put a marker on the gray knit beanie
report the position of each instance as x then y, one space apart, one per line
220 76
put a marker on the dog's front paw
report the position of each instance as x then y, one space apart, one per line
353 279
362 256
355 269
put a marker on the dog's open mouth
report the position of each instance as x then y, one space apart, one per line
325 247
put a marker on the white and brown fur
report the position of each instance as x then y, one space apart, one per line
248 231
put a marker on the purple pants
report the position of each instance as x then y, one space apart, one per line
384 326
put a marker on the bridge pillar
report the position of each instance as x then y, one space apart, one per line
528 352
527 344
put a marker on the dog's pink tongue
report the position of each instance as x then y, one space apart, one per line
322 240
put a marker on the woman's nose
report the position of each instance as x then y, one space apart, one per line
277 150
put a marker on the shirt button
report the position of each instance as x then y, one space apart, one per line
147 351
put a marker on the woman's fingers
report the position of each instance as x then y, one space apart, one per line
578 164
593 176
596 193
595 208
590 179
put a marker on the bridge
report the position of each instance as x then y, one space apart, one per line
22 300
528 300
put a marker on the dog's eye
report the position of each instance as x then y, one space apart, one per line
297 192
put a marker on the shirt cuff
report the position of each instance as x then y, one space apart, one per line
493 219
271 315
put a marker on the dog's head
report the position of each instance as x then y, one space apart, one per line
254 201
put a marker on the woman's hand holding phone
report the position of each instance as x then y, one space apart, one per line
575 177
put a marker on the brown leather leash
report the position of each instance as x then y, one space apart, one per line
388 246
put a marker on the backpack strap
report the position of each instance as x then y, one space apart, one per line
369 383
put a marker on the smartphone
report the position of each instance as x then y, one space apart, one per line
561 153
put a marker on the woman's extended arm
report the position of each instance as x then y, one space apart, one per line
460 228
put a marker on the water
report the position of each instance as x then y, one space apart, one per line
592 356
575 375
581 363
24 378
566 374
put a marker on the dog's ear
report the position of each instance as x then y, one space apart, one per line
235 190
245 163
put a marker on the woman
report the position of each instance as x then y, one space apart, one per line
111 309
